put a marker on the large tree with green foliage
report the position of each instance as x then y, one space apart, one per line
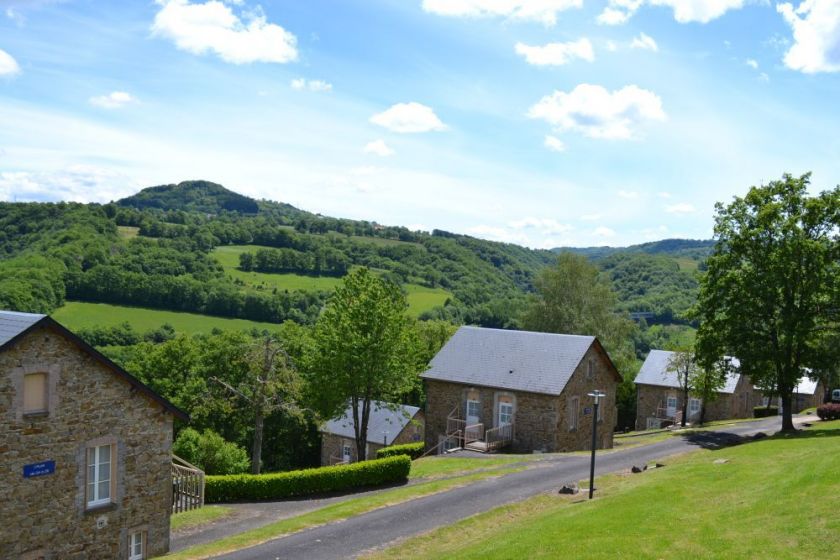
574 298
771 290
362 350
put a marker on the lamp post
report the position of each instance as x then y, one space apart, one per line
597 395
384 438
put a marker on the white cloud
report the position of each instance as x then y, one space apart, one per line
612 46
379 148
543 11
603 231
554 144
764 77
752 63
214 27
311 85
8 65
598 113
816 35
556 54
685 11
78 183
629 195
114 100
408 117
644 42
545 226
680 208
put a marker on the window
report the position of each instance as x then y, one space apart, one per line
473 411
573 411
137 546
601 411
35 393
590 369
672 403
505 413
345 452
693 407
99 475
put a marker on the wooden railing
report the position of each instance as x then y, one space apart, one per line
473 432
338 460
454 438
187 486
499 436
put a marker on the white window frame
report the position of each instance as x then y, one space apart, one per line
346 452
478 408
573 413
135 539
694 405
668 402
503 413
94 477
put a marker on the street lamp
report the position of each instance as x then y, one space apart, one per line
384 438
597 395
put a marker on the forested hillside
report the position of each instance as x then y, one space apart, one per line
198 247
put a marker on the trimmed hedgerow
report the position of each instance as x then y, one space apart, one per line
413 450
763 411
235 487
829 411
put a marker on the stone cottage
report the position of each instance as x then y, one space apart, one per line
84 450
807 394
488 388
389 424
659 399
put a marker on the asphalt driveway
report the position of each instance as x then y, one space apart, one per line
377 528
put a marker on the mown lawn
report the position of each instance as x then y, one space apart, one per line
435 467
773 498
420 298
77 315
196 517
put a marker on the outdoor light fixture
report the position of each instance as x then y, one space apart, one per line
597 395
384 438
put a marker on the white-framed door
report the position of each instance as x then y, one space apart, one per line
671 406
505 413
694 407
473 412
345 452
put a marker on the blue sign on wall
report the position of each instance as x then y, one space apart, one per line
38 469
587 410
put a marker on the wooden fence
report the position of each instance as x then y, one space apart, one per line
187 486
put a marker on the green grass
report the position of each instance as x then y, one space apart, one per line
687 264
774 498
420 298
329 514
77 315
127 232
434 467
196 517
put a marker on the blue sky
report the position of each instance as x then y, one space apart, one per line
540 122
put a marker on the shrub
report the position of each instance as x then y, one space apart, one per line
829 411
413 450
763 411
210 452
306 482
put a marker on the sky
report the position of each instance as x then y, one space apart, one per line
539 122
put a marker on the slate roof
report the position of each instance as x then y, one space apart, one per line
805 387
382 419
14 324
516 360
655 372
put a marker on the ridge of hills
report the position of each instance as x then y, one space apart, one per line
197 246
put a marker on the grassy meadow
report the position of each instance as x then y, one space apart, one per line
420 298
772 498
79 315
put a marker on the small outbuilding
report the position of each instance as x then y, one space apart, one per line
389 424
85 450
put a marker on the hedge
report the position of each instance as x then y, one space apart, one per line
763 411
413 450
274 486
829 411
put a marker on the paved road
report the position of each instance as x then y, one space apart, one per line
377 528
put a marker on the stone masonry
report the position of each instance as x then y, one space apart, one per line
47 516
541 421
331 444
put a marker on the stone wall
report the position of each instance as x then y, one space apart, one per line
540 421
89 404
331 444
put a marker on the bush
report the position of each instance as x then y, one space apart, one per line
210 452
764 411
829 411
413 450
306 482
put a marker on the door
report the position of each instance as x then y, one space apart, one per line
345 452
505 413
671 407
473 412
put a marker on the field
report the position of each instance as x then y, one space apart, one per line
773 498
78 315
420 298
